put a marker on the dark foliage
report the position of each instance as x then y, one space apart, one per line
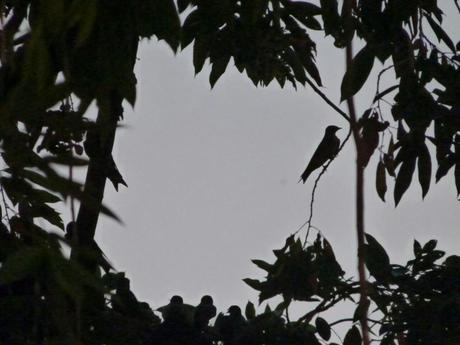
59 56
47 299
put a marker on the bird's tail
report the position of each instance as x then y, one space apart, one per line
304 176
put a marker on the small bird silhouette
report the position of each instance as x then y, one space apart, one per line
177 313
229 326
327 149
91 252
204 312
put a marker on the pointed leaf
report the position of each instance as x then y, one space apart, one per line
357 73
404 178
303 9
311 68
424 169
353 337
44 196
381 181
385 92
417 248
190 28
296 65
218 68
200 53
254 283
444 166
250 311
441 34
311 23
331 18
377 260
281 307
263 265
430 245
48 213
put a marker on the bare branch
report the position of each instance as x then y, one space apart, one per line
328 101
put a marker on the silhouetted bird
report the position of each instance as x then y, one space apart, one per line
91 253
326 150
108 166
124 301
230 326
204 312
177 313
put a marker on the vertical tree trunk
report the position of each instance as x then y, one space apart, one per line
360 229
104 136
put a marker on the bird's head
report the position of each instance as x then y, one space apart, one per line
70 230
177 300
330 130
206 300
234 310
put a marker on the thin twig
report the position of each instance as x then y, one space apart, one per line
323 306
457 5
287 314
350 319
327 100
379 77
377 91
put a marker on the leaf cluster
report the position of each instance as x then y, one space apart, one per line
417 301
267 39
49 298
300 274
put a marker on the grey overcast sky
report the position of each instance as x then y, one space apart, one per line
213 177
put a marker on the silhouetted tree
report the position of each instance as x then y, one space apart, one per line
59 56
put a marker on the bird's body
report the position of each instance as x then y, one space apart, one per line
326 150
90 252
177 313
230 326
204 312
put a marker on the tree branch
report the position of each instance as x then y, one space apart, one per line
327 100
102 136
359 203
348 7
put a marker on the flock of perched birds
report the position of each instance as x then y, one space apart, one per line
180 319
